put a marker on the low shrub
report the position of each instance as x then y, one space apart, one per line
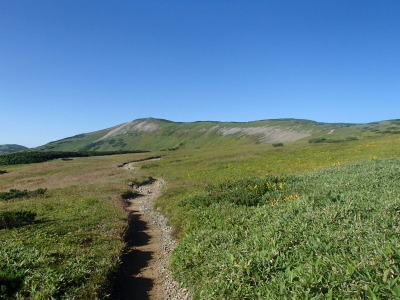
15 194
30 157
16 218
10 282
278 145
317 140
325 140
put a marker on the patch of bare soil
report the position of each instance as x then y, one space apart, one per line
134 126
267 134
331 131
143 273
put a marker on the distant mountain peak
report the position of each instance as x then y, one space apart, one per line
9 148
158 134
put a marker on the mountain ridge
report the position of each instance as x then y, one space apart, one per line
9 148
159 134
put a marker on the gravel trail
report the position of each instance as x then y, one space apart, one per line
144 271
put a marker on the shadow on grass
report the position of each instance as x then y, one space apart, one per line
10 282
126 284
130 195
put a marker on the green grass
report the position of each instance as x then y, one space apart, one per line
254 221
71 250
243 238
327 233
15 194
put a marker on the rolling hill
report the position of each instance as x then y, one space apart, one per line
9 148
157 134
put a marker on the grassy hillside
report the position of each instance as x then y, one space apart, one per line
9 148
317 220
155 134
78 142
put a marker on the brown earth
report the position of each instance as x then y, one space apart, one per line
140 272
144 272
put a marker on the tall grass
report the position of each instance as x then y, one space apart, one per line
241 238
338 237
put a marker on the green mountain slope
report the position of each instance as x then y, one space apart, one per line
9 148
157 134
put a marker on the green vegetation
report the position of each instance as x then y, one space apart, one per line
16 218
9 148
248 231
325 140
3 171
10 282
39 156
308 220
155 135
327 233
14 194
71 249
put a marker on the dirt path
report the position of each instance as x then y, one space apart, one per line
143 273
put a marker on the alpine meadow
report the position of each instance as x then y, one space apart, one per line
271 209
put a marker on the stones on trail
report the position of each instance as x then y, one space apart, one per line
149 193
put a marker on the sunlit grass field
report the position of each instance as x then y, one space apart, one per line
254 222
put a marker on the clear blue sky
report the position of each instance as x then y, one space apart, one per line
76 66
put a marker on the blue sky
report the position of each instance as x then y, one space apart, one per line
70 67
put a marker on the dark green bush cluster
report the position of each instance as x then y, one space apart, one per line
325 140
15 194
16 218
117 143
42 156
278 145
10 281
391 131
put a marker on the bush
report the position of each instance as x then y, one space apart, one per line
15 194
317 140
29 157
324 140
278 145
16 218
10 282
